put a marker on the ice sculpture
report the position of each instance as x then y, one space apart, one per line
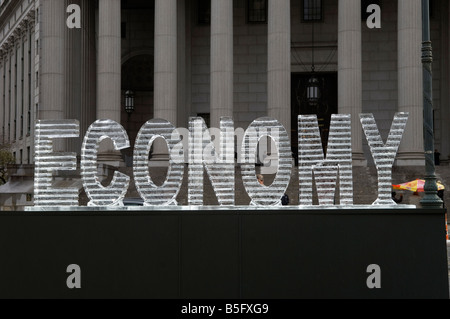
262 195
312 160
47 161
99 195
220 167
384 153
152 194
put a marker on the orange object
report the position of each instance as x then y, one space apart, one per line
446 227
415 186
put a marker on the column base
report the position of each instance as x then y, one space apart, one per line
410 159
431 201
159 160
111 158
358 159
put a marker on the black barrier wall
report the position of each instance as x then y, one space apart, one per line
225 254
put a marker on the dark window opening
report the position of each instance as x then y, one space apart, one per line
257 11
204 12
312 10
326 106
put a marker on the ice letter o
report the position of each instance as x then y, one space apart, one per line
152 194
262 195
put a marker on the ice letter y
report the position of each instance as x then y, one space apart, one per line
384 154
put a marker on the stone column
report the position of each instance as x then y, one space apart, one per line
221 60
165 96
27 86
32 79
279 62
109 73
6 98
19 85
410 86
14 88
2 94
88 71
350 71
183 60
165 77
51 88
80 72
73 66
109 61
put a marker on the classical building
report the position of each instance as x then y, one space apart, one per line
246 59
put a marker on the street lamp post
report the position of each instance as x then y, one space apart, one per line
430 198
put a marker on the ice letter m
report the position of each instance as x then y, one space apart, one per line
325 171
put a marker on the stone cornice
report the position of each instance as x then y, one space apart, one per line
25 22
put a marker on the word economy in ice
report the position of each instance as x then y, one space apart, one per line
217 156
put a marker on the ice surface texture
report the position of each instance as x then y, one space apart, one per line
384 153
152 194
98 194
312 161
47 162
263 195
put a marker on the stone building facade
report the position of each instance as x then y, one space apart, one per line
213 58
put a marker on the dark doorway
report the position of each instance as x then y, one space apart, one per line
324 108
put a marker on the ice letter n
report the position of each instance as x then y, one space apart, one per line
220 167
312 160
47 161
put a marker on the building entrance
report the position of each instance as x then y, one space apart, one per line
325 104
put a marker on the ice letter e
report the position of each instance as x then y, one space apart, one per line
47 161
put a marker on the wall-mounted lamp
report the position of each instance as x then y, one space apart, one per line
313 91
129 102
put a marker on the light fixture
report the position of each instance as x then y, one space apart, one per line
129 102
313 91
313 88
